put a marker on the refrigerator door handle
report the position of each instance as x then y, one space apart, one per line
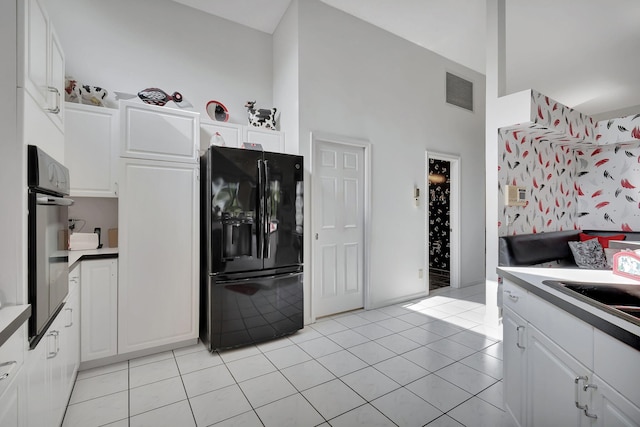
261 278
261 214
267 210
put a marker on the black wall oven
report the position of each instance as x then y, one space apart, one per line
48 260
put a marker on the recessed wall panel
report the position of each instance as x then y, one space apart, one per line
328 159
352 279
329 283
351 203
329 196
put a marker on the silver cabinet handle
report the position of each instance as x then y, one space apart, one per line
70 311
6 374
518 337
56 109
586 407
576 381
55 335
513 298
586 412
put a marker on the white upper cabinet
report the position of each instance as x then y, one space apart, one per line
230 134
91 150
41 68
234 135
271 140
56 79
158 133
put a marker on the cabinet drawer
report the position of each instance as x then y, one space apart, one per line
515 298
11 358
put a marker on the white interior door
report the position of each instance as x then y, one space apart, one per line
339 232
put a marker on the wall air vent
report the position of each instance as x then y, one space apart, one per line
459 92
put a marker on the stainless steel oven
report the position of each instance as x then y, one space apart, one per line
48 260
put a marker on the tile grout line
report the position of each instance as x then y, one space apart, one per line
396 308
186 394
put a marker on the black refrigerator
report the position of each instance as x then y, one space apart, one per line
252 238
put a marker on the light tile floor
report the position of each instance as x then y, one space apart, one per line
426 362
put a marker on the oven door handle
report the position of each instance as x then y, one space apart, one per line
51 200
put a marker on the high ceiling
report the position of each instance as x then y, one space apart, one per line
583 53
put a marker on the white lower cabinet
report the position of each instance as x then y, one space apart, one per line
514 363
10 400
611 408
99 317
45 378
554 381
12 380
53 364
546 385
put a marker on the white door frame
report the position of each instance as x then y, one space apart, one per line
316 138
454 218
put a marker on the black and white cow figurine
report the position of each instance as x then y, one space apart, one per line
261 117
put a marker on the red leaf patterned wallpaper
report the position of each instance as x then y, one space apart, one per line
564 124
568 187
623 129
609 177
549 173
578 174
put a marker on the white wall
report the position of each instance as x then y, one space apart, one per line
360 81
130 45
95 212
285 76
13 171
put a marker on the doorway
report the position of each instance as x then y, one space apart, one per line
442 178
340 170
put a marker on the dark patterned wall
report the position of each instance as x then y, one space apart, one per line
438 202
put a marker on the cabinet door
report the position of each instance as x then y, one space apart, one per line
158 133
41 70
514 346
270 140
99 309
555 381
71 339
158 254
57 355
11 414
91 150
610 407
35 40
55 80
39 404
230 134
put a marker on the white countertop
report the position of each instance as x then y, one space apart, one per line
535 276
76 255
11 318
